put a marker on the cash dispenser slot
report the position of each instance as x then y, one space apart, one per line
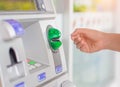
13 57
15 69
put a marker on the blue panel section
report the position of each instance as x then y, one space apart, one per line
58 69
16 26
22 84
42 76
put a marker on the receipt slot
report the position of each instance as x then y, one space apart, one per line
31 48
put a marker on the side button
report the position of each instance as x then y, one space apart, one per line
22 84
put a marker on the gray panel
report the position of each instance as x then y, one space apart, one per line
0 83
34 44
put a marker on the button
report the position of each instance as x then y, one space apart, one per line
32 62
10 29
42 76
58 69
28 65
27 60
43 6
32 67
16 26
38 64
22 84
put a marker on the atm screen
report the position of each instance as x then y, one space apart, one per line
18 5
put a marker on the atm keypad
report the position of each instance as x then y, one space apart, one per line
32 64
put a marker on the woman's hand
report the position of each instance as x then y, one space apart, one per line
88 40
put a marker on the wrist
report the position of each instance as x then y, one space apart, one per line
107 40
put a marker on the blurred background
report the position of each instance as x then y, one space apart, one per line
100 69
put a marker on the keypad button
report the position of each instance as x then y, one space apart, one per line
38 65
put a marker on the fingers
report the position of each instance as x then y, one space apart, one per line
74 35
75 32
80 44
84 48
77 40
78 31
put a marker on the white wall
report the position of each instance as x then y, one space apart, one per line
116 82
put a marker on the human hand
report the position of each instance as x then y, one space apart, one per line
88 40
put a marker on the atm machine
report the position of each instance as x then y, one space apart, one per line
31 47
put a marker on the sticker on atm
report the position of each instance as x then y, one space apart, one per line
22 84
42 76
58 69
